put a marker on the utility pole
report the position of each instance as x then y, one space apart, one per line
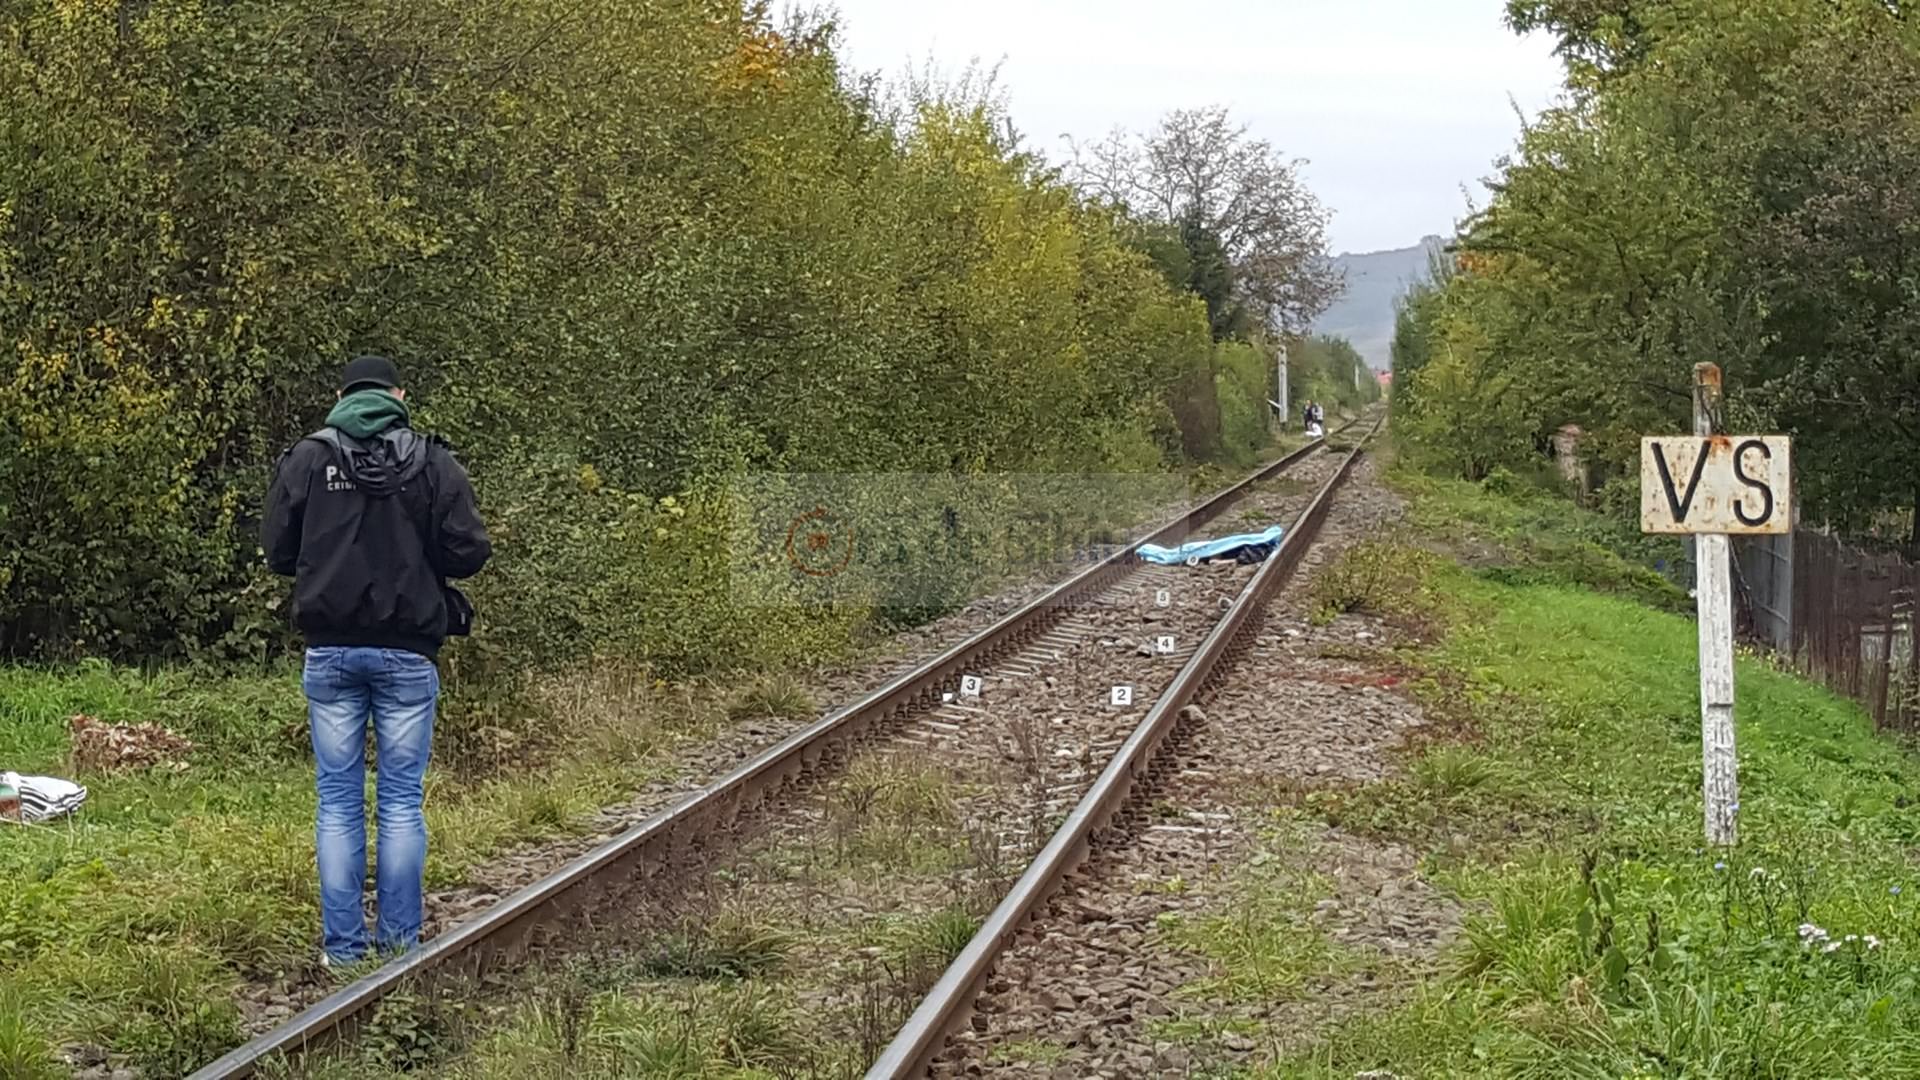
1280 364
1713 599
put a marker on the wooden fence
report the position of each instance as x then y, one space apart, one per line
1840 614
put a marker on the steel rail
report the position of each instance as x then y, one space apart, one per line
950 1002
502 931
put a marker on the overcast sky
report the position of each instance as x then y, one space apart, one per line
1395 103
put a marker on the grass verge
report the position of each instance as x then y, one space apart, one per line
126 927
1606 941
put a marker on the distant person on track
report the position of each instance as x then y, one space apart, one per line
371 519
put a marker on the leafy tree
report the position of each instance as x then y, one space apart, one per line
1211 277
1727 183
1204 173
1596 36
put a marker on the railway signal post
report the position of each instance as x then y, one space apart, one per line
1712 486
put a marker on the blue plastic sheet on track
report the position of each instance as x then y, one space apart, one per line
1205 550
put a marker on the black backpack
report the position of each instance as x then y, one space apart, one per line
348 450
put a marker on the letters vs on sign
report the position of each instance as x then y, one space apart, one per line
1716 484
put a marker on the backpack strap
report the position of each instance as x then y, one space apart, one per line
459 608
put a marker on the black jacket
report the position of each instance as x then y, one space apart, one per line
370 531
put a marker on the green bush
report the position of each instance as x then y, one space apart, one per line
660 246
1500 481
1377 577
1241 386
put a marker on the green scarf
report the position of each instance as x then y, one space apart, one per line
366 413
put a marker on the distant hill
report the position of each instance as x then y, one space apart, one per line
1375 279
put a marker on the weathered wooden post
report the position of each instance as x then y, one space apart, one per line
1713 606
1711 486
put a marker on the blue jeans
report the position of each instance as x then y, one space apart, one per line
397 689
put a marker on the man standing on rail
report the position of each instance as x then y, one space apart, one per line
371 519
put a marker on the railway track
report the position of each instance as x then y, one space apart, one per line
1065 685
1220 925
948 1007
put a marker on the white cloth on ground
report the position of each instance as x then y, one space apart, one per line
43 798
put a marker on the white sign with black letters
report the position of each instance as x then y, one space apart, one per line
970 686
1732 484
